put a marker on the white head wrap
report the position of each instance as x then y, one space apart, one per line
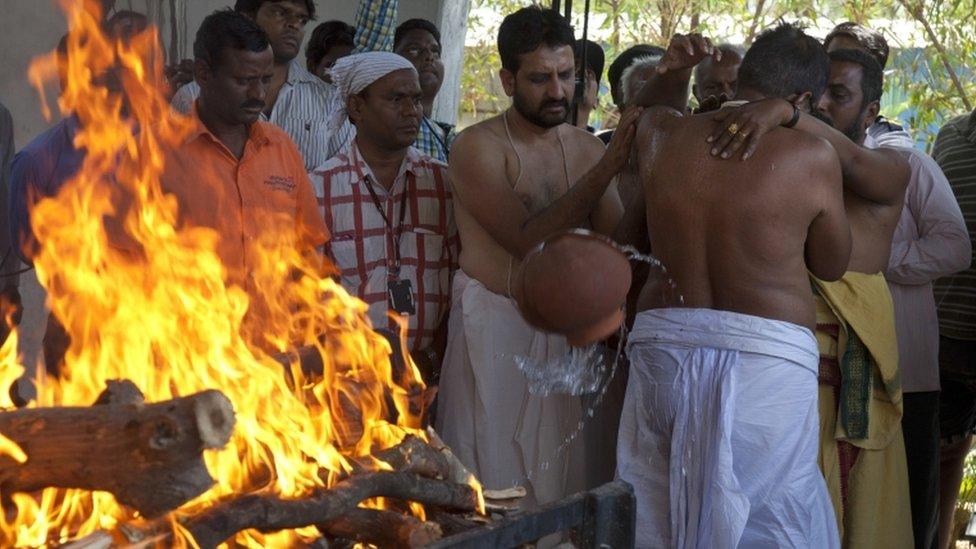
354 73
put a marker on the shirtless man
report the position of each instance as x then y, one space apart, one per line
719 429
862 450
519 178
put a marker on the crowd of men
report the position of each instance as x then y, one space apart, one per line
816 389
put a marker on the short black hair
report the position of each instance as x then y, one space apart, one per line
595 58
226 29
784 61
326 36
252 6
624 60
414 24
870 40
527 30
872 75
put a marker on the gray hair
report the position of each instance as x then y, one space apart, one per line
638 65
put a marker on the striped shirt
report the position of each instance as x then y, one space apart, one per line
955 152
375 30
303 108
362 242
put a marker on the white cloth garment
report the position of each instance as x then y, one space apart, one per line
354 73
719 433
485 412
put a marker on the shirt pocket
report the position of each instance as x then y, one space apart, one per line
311 136
426 248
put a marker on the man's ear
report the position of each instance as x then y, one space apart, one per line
871 114
508 81
354 106
201 71
802 101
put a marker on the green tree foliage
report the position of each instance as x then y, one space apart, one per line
924 86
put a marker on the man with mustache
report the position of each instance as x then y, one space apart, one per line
389 205
297 101
234 173
518 178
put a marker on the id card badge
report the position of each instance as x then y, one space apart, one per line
401 297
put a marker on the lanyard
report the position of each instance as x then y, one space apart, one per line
396 233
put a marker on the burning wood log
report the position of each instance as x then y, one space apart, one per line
149 456
270 513
412 455
383 528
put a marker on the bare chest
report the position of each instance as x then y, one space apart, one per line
539 179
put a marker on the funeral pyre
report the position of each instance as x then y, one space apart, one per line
182 414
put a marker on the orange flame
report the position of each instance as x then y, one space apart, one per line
168 318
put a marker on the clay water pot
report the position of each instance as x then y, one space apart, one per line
574 284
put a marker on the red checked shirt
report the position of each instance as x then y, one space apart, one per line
362 245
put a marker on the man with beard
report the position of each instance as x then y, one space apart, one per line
931 241
718 433
850 35
862 449
297 101
518 178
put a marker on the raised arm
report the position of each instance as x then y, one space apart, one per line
375 24
942 247
481 187
668 86
877 175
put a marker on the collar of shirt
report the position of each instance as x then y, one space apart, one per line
363 170
257 134
298 74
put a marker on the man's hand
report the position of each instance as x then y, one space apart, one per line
619 148
745 125
685 51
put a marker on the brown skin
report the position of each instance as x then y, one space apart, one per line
420 47
741 237
233 94
499 224
668 85
874 180
328 60
590 100
284 21
387 116
716 78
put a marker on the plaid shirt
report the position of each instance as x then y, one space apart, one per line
375 30
362 244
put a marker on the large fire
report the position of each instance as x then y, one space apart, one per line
164 318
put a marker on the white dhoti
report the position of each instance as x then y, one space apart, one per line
485 412
719 433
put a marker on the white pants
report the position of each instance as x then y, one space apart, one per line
719 433
485 412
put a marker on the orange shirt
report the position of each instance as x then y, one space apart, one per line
264 195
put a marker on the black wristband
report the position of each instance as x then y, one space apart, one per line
794 119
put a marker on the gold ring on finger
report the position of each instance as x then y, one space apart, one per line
733 128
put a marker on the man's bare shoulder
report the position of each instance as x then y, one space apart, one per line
487 133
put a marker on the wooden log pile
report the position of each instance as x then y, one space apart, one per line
150 457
